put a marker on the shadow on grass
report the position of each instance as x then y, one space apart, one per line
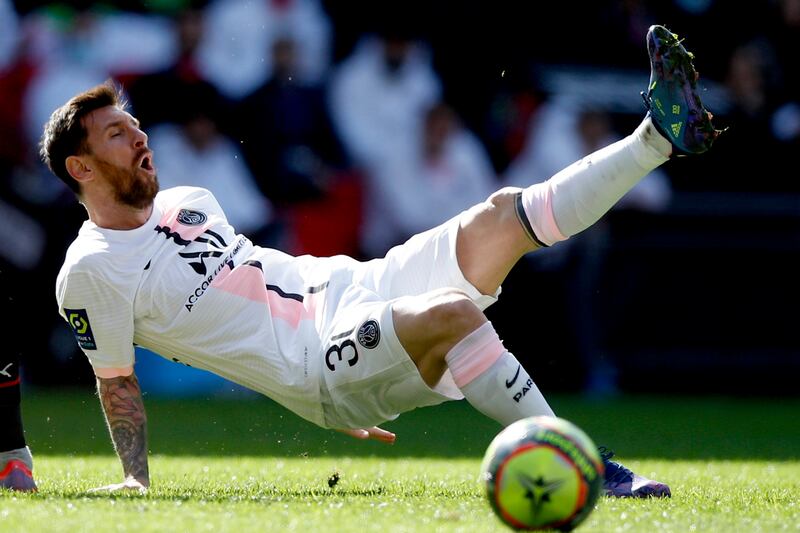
258 491
71 422
243 494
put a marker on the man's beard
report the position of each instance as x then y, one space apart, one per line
129 187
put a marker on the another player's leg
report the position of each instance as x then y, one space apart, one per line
16 463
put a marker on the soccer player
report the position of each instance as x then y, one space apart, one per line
16 463
342 343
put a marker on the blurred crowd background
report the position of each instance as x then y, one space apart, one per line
345 127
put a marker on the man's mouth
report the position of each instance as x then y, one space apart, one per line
146 162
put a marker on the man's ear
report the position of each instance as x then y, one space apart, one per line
78 169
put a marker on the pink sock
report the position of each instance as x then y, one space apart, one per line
492 379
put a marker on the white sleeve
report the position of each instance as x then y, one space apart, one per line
101 318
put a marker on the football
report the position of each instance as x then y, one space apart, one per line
542 473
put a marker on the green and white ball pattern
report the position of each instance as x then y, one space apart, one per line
542 473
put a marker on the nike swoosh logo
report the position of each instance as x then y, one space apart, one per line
510 384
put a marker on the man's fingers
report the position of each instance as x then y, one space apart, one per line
120 487
382 435
107 488
374 433
357 433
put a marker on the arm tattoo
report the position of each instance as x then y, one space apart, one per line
122 402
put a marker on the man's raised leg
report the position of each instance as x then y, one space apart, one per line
512 222
494 235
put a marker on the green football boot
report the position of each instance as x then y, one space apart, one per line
672 100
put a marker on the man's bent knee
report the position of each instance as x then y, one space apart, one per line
452 313
429 325
504 205
491 240
504 198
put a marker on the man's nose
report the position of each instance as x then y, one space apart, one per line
140 138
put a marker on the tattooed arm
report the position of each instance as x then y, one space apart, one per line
121 398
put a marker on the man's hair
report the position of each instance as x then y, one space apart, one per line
65 135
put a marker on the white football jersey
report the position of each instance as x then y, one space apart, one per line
187 287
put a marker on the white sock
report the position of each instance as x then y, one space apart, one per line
579 195
492 379
20 454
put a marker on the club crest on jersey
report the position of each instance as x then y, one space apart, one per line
187 217
369 334
79 322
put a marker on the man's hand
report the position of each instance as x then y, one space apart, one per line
129 485
374 433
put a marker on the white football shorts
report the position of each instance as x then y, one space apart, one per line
368 377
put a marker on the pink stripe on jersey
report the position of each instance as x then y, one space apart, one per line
289 310
247 281
169 217
189 233
474 354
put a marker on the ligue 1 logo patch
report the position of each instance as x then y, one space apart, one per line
369 334
187 217
79 322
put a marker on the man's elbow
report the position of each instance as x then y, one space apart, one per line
108 373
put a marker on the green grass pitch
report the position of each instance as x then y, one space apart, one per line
245 464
